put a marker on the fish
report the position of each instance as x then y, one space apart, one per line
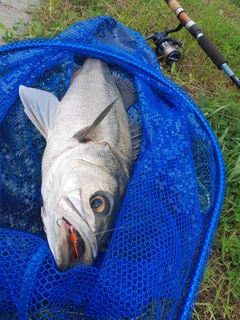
87 163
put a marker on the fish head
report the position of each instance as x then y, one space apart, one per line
89 201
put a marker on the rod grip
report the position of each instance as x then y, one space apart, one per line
173 4
217 58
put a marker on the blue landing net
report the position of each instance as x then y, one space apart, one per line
153 265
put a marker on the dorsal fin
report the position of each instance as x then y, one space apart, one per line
136 135
82 134
41 107
126 88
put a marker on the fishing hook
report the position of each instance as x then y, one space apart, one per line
63 220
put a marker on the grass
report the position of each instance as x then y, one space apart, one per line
217 96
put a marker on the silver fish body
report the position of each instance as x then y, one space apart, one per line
86 164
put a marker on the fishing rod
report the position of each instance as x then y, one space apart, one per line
203 41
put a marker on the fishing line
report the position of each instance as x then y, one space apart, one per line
125 226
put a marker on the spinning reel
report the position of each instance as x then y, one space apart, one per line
165 46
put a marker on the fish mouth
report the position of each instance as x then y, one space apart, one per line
75 247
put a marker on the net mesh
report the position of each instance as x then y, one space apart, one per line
152 266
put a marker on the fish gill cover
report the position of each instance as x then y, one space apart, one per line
153 265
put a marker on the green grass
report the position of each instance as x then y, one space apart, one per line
216 94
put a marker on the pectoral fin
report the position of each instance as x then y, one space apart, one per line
82 134
41 107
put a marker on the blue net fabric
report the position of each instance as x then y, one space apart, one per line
153 265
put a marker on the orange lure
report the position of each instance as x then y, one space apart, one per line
73 239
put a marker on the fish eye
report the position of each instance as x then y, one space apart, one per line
100 204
